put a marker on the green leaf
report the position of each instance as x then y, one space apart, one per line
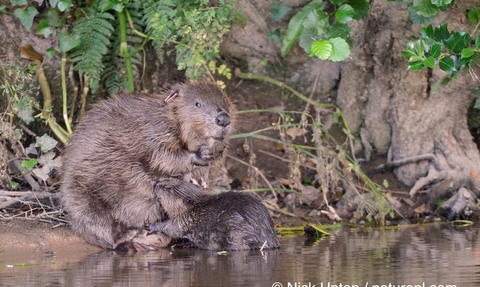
429 62
279 11
295 26
18 2
316 21
474 15
419 47
340 49
415 66
344 14
408 54
322 49
361 8
467 52
457 41
26 16
53 19
477 103
14 184
417 18
442 33
46 143
44 29
440 3
67 42
425 8
64 5
477 42
3 9
336 2
275 36
427 32
29 164
338 30
306 39
51 52
435 50
448 65
109 4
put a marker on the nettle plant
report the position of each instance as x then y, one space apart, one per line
320 27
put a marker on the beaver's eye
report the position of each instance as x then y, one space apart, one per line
197 104
189 201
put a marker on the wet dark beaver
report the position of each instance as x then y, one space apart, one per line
224 221
125 144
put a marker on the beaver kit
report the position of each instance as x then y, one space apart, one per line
125 144
223 221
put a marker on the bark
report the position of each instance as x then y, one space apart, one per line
423 132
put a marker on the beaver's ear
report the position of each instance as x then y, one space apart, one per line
173 94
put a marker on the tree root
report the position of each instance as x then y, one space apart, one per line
397 163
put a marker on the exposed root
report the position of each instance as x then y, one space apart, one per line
397 163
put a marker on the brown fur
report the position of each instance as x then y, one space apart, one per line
225 221
125 144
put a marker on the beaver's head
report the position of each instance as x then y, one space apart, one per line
206 115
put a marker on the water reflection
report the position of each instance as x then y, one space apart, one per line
422 256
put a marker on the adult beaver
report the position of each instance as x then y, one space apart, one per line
223 221
125 144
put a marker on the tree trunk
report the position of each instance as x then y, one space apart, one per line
399 114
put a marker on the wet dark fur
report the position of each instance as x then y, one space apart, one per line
124 145
224 221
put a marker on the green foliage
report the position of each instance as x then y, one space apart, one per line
451 50
424 11
279 11
94 33
322 33
29 164
18 87
26 16
194 27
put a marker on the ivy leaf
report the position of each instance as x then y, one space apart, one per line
344 14
467 52
67 42
44 29
52 18
436 50
51 52
448 65
340 49
29 164
361 8
429 62
417 18
279 11
440 3
64 5
26 16
316 22
3 8
295 26
322 49
425 8
457 41
18 2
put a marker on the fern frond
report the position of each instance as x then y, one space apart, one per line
94 32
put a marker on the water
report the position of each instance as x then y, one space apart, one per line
420 256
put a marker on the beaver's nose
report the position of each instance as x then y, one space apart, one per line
222 120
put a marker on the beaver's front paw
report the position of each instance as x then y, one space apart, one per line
202 156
